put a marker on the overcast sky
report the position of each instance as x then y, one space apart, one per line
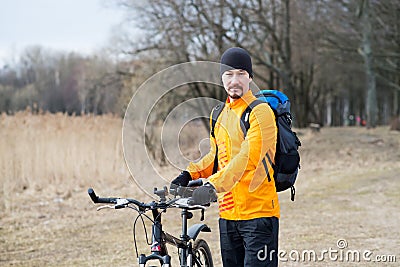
70 25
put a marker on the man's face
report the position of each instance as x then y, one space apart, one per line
236 83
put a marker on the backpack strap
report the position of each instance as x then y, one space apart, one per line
292 192
214 117
245 119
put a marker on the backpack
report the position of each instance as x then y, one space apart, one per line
287 158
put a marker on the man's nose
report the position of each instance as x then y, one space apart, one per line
235 79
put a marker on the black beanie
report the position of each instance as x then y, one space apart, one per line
236 58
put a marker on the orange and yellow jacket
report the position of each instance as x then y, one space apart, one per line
245 190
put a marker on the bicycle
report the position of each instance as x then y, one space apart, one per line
192 251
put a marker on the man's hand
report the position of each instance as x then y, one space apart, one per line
182 180
204 194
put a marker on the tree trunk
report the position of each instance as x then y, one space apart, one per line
371 107
396 102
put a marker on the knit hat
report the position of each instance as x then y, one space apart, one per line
236 58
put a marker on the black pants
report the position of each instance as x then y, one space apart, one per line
249 243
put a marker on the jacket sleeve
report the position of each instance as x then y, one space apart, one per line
204 167
260 139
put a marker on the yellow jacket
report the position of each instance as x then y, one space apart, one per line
244 190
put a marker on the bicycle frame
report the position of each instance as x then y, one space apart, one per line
161 238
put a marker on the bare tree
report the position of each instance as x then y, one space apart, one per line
310 49
367 54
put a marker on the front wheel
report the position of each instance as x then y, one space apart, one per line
201 254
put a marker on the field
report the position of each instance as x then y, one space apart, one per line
348 190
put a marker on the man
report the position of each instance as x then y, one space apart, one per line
248 202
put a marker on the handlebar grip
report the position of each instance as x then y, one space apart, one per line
197 182
92 195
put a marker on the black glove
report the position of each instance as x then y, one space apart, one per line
182 180
185 191
204 194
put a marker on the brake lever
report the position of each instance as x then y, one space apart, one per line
121 203
105 207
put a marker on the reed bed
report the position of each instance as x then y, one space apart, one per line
58 153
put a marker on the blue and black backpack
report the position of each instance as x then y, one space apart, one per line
287 158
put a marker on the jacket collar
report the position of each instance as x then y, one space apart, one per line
246 99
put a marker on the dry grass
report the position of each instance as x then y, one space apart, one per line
58 152
348 188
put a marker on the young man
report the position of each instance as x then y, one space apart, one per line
248 202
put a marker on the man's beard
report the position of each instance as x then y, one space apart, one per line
235 95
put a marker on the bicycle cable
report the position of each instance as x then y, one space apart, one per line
134 232
141 214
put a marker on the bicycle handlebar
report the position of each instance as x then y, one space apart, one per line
123 202
197 182
114 200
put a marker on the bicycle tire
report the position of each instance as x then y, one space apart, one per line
202 252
